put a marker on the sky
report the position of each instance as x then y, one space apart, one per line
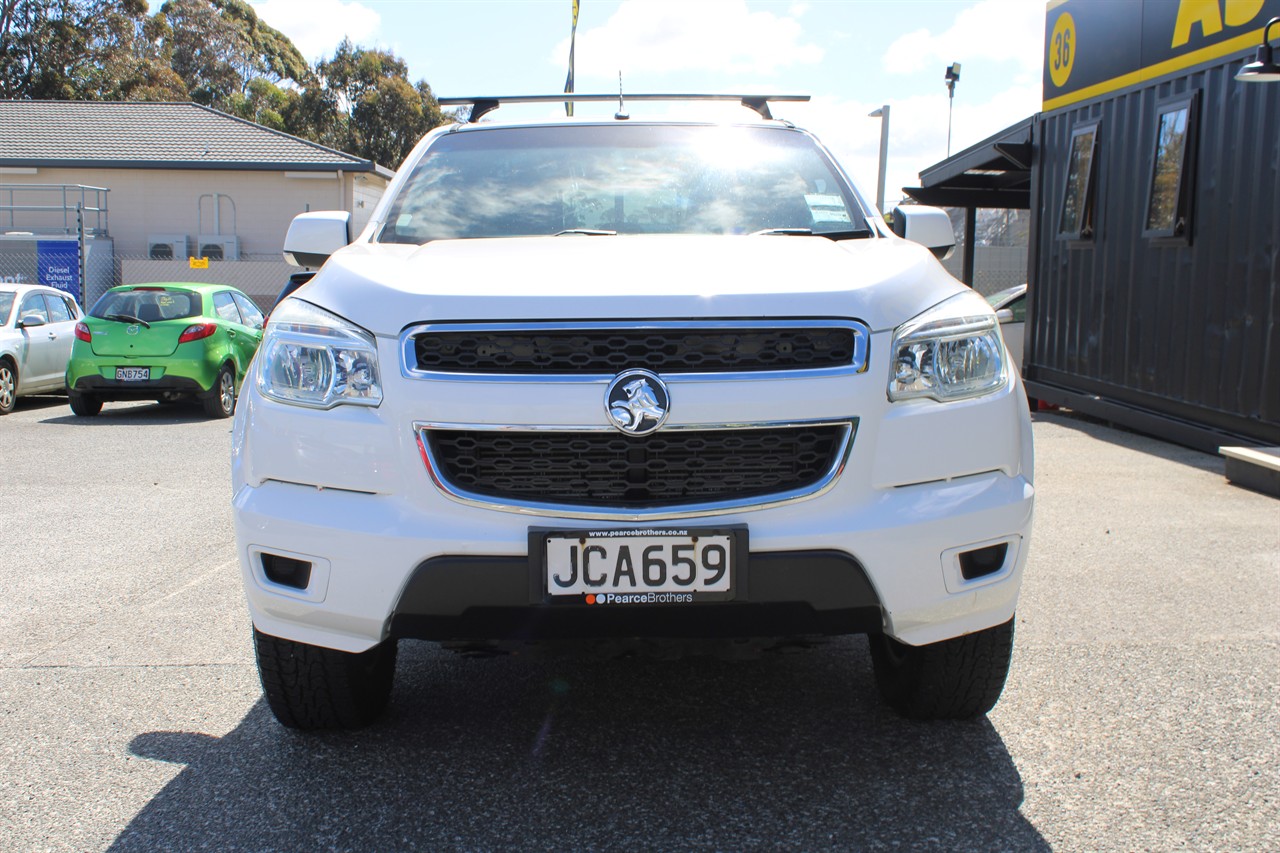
850 56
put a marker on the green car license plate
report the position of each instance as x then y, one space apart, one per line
133 374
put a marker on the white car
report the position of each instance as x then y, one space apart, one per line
37 328
636 380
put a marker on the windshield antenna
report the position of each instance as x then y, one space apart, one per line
621 114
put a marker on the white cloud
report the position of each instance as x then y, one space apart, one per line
1002 30
316 27
670 36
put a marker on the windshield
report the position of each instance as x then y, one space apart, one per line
624 179
6 305
148 305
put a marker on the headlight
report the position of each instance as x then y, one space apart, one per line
310 357
950 352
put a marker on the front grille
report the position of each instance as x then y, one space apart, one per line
610 351
612 470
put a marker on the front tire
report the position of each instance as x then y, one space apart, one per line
8 386
311 687
220 402
84 405
954 679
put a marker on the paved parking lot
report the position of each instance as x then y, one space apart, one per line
1143 709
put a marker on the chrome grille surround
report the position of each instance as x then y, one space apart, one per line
667 347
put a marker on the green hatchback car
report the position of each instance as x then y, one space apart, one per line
167 342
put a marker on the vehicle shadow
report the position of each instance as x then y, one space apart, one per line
135 414
790 751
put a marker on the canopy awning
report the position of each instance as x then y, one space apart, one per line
995 173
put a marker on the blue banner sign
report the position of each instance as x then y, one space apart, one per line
58 265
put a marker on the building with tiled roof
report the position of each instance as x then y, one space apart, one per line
178 180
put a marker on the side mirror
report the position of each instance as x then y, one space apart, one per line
928 226
1005 315
31 320
313 237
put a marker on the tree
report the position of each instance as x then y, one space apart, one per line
218 47
83 50
381 114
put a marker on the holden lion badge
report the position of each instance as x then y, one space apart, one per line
637 402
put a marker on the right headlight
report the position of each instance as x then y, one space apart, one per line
950 352
312 358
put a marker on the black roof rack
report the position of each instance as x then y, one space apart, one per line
482 105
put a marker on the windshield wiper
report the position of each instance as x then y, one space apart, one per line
127 318
590 232
809 232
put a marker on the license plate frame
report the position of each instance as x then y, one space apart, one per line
133 374
560 580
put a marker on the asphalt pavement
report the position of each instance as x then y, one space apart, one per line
1142 711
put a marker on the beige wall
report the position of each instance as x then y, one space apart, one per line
144 202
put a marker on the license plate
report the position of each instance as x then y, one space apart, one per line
133 374
651 566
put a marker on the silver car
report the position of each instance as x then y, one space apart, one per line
37 326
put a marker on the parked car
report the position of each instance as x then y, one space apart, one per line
166 342
637 380
37 326
1011 309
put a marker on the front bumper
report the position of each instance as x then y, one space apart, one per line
370 555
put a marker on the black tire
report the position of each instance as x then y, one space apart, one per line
311 687
952 680
8 386
84 405
220 402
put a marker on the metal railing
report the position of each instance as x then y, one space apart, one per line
79 209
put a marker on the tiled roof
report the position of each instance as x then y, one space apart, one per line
142 134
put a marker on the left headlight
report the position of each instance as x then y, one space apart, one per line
312 358
953 351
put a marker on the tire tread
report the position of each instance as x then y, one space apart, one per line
310 687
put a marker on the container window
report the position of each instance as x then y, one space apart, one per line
1169 198
1076 222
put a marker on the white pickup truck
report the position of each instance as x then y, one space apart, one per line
645 380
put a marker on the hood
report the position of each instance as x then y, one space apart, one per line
387 287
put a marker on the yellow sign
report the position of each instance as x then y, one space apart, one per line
198 263
1062 49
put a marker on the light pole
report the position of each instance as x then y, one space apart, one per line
883 115
952 78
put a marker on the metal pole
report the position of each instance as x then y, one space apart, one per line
883 114
951 102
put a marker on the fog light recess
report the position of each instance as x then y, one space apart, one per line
286 571
980 562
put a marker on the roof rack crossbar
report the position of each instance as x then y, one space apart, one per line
482 105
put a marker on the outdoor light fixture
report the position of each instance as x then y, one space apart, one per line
1263 69
952 78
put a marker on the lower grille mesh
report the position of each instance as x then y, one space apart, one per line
612 470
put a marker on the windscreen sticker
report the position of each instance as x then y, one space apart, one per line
827 207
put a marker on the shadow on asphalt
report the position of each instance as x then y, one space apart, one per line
1123 437
792 751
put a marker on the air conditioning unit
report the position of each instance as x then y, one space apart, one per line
168 247
219 247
